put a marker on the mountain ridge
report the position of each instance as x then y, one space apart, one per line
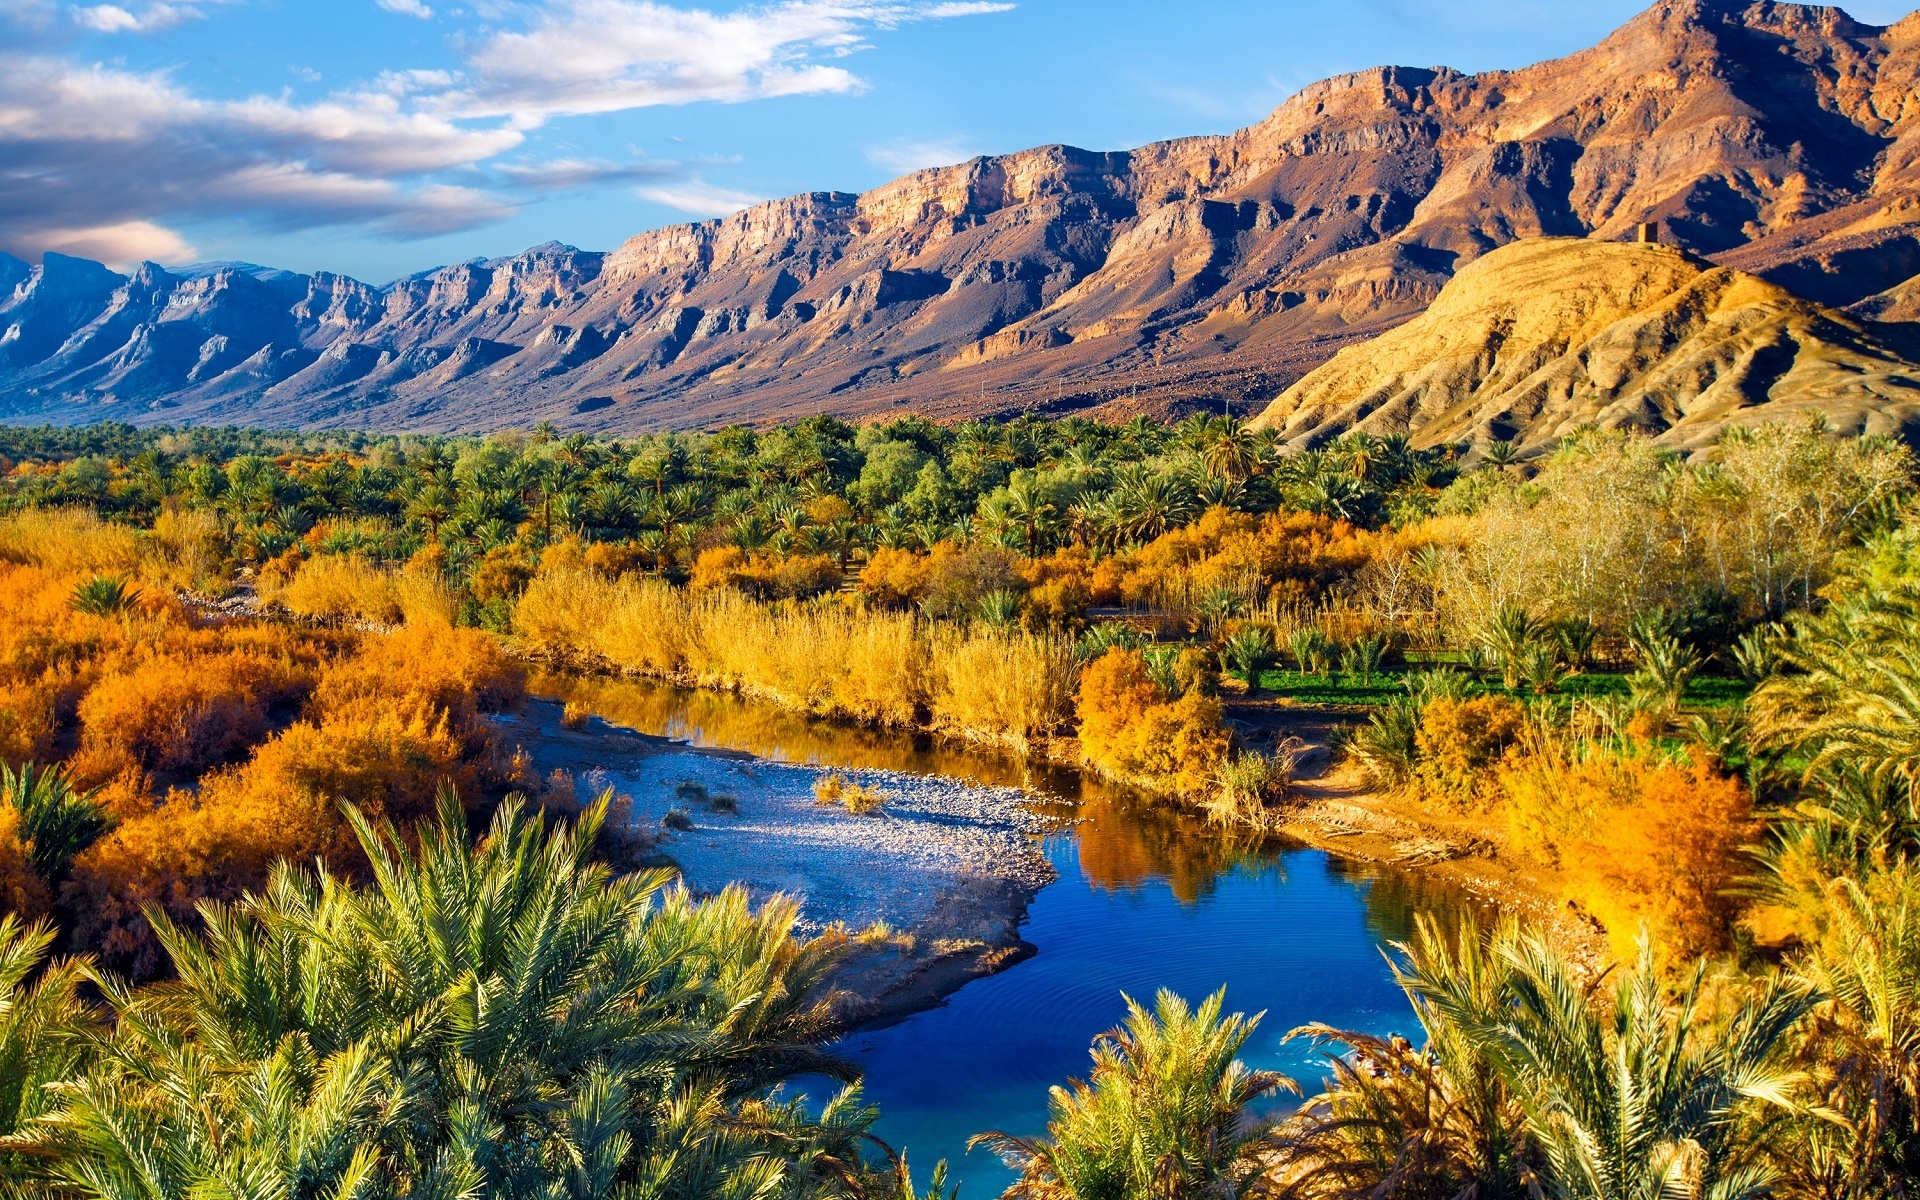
1540 337
1781 139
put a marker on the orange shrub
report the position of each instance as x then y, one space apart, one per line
387 758
613 558
718 567
1062 586
791 576
1129 730
894 578
1641 839
501 572
21 891
182 713
1459 740
1669 861
957 577
460 672
1284 553
1058 602
29 718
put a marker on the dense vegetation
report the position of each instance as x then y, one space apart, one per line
1685 690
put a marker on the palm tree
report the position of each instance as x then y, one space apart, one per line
1862 1049
57 823
1648 1100
1027 506
1532 1085
1850 689
107 596
1147 505
1435 1121
46 1034
1500 453
508 1019
1229 449
1163 1116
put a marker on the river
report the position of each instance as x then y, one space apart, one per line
1147 899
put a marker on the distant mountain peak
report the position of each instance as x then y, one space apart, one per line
1779 139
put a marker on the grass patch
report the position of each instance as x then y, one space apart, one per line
1702 691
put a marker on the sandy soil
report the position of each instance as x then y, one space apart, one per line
949 867
1337 811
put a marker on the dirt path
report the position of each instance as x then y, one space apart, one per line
1337 811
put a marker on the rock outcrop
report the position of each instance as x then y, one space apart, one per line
1539 337
1778 138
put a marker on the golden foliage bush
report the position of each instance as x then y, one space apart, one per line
387 727
1282 555
1672 861
283 803
1129 730
183 713
1063 585
501 573
1012 687
28 718
68 540
894 578
1641 839
1459 741
336 587
879 668
786 576
457 672
21 891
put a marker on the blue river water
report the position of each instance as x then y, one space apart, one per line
1285 932
1147 898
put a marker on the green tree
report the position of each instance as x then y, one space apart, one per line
1163 1116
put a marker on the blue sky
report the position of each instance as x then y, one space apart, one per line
381 137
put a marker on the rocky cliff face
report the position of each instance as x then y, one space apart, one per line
1781 139
1538 337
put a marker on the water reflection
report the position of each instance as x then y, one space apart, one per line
1148 897
1126 841
1123 841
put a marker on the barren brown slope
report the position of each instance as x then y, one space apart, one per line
1544 335
1192 270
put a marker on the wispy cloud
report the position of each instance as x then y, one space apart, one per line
95 151
595 56
565 174
914 154
699 198
150 18
116 158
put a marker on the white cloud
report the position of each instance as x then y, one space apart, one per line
699 198
562 174
911 154
90 148
152 18
114 158
121 245
596 56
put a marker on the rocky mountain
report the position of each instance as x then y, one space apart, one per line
1535 338
1779 139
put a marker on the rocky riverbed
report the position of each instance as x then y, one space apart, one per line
947 867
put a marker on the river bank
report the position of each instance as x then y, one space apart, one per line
932 885
1333 808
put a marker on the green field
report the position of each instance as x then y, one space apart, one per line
1338 689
